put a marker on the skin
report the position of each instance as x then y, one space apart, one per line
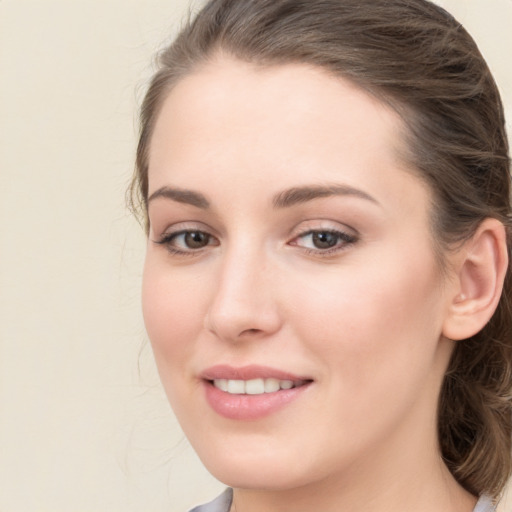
364 320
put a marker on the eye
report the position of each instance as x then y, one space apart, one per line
324 240
192 239
187 241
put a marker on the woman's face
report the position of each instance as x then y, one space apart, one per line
290 246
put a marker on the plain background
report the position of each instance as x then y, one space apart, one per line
84 424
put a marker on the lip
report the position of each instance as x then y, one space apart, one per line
223 371
250 407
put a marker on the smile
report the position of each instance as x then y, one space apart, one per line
255 386
251 392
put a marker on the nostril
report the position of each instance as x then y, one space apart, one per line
250 331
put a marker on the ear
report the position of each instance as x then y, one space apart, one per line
480 268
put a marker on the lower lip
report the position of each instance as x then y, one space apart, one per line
250 407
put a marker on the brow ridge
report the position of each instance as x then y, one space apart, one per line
303 194
181 195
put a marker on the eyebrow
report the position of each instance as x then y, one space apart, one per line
284 199
298 195
181 195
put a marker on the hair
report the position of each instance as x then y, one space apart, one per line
416 57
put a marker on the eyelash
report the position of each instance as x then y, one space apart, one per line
167 240
342 242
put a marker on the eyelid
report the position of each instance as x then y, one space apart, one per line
175 230
347 237
322 225
179 227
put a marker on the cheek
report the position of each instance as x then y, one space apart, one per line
172 313
379 324
375 336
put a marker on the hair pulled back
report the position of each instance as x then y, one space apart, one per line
416 57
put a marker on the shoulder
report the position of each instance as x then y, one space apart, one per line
220 504
223 503
484 504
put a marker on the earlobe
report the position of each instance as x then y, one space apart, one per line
481 267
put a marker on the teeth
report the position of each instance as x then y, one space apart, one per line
253 386
222 384
236 387
271 385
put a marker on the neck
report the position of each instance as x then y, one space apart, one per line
389 480
396 495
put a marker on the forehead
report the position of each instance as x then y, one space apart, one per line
288 122
245 96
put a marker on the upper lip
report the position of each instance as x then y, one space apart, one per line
223 371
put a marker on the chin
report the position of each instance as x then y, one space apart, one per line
274 472
262 479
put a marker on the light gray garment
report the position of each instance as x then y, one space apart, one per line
484 505
220 504
223 502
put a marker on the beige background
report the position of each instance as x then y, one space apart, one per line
84 425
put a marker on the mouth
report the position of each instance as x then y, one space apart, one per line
251 392
257 386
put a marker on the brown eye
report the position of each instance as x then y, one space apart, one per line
323 242
196 239
187 241
325 239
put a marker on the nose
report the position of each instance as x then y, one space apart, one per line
244 304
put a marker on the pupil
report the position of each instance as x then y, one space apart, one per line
324 240
196 239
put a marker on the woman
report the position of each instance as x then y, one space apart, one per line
325 185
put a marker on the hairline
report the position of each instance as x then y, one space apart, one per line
406 114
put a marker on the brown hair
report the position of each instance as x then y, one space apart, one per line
420 60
